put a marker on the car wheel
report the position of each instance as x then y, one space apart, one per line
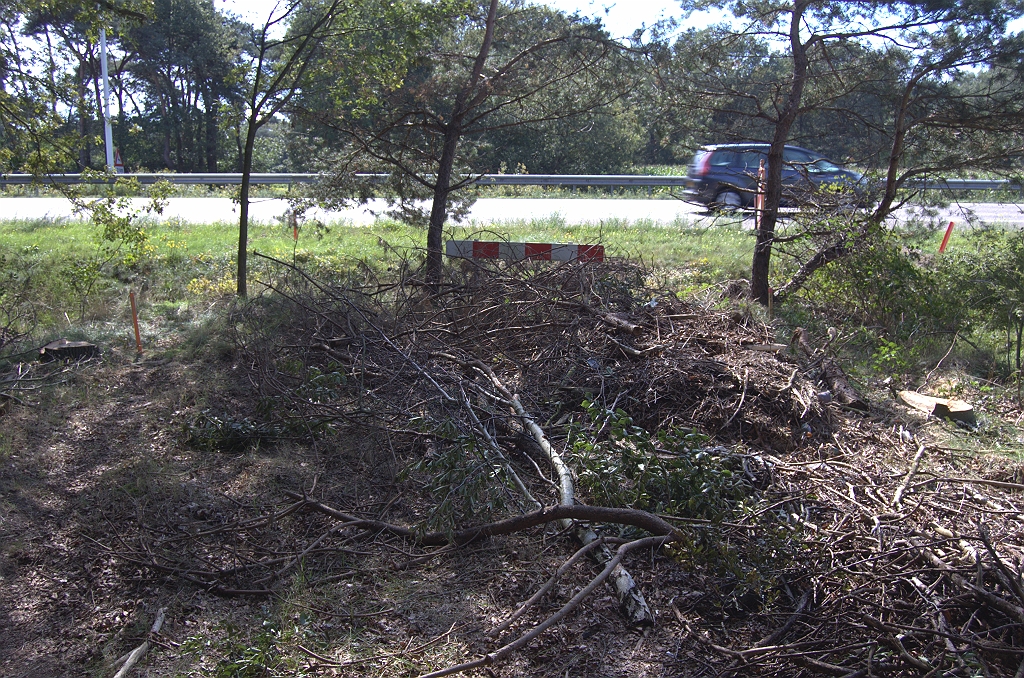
728 201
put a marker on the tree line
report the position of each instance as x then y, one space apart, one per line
180 71
435 93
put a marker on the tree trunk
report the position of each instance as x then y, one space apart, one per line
896 151
439 208
212 128
820 259
760 266
1020 336
243 209
119 129
85 150
453 131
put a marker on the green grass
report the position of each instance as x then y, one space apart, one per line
725 248
190 266
187 268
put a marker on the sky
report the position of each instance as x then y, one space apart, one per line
621 17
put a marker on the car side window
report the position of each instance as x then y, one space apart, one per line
723 158
792 155
751 160
823 166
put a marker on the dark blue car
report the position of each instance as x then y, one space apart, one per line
724 176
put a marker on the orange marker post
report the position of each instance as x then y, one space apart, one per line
945 239
759 197
135 321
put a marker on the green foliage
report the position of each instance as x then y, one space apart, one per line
123 238
464 482
906 306
890 357
675 472
321 386
226 433
183 67
997 284
17 312
80 277
670 472
254 653
547 75
253 658
897 294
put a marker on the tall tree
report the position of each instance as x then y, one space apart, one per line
183 65
816 40
278 58
49 78
497 67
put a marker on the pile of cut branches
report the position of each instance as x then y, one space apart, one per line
802 538
377 353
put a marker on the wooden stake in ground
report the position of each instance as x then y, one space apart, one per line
135 322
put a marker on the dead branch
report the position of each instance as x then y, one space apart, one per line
584 550
633 517
898 495
524 640
133 657
631 600
832 500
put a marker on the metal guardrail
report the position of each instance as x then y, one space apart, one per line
145 179
561 180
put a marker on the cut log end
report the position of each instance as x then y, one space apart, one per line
943 408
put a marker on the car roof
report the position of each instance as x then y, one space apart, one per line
754 145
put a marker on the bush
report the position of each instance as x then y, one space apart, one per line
996 291
672 471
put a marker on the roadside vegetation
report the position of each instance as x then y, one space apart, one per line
334 451
185 478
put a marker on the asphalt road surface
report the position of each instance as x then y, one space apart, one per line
487 211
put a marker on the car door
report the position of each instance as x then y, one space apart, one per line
796 179
743 166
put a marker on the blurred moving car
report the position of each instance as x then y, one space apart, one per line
724 177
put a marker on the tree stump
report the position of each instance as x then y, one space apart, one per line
68 351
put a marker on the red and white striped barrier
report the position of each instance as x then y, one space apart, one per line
521 251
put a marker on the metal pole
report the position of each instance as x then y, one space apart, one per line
106 102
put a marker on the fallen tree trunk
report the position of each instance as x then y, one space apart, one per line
831 373
611 319
843 393
133 657
632 603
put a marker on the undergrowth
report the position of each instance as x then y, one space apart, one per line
902 311
672 471
677 473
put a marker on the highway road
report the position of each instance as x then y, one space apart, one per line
484 212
